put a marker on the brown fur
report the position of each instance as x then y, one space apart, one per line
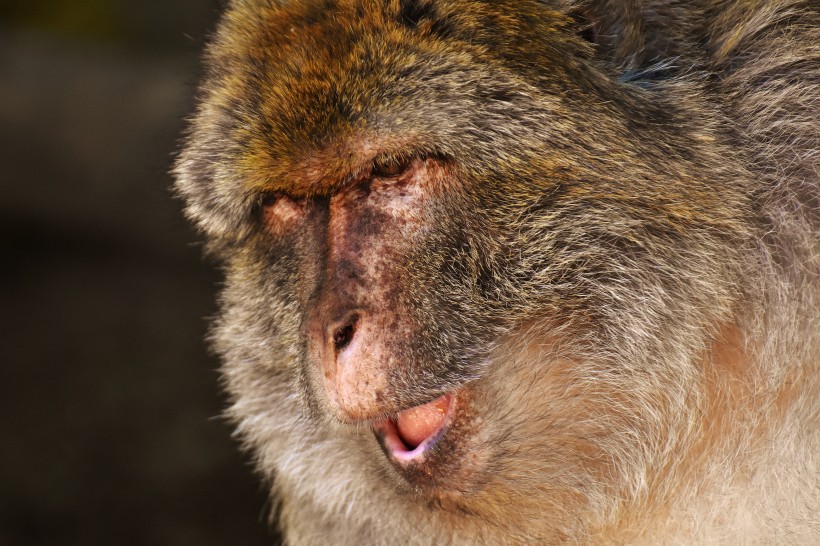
603 235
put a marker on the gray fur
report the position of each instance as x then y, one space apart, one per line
620 205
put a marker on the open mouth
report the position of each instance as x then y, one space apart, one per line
409 435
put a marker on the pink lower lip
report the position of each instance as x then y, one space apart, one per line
392 437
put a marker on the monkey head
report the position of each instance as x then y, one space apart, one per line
472 273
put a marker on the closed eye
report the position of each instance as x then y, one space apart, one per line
281 211
388 167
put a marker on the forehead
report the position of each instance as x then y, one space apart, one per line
306 85
311 91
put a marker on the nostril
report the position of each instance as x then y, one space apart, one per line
343 335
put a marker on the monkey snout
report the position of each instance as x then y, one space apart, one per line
341 333
351 357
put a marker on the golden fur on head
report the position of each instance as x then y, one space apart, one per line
605 239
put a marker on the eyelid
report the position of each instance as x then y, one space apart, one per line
268 199
389 167
281 211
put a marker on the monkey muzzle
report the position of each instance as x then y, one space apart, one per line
407 437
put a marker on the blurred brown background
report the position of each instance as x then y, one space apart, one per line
109 403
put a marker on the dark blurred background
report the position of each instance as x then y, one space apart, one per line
109 403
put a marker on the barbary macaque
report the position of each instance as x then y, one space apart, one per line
525 272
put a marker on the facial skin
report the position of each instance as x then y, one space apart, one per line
523 273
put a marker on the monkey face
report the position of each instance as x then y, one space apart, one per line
379 316
366 341
435 226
